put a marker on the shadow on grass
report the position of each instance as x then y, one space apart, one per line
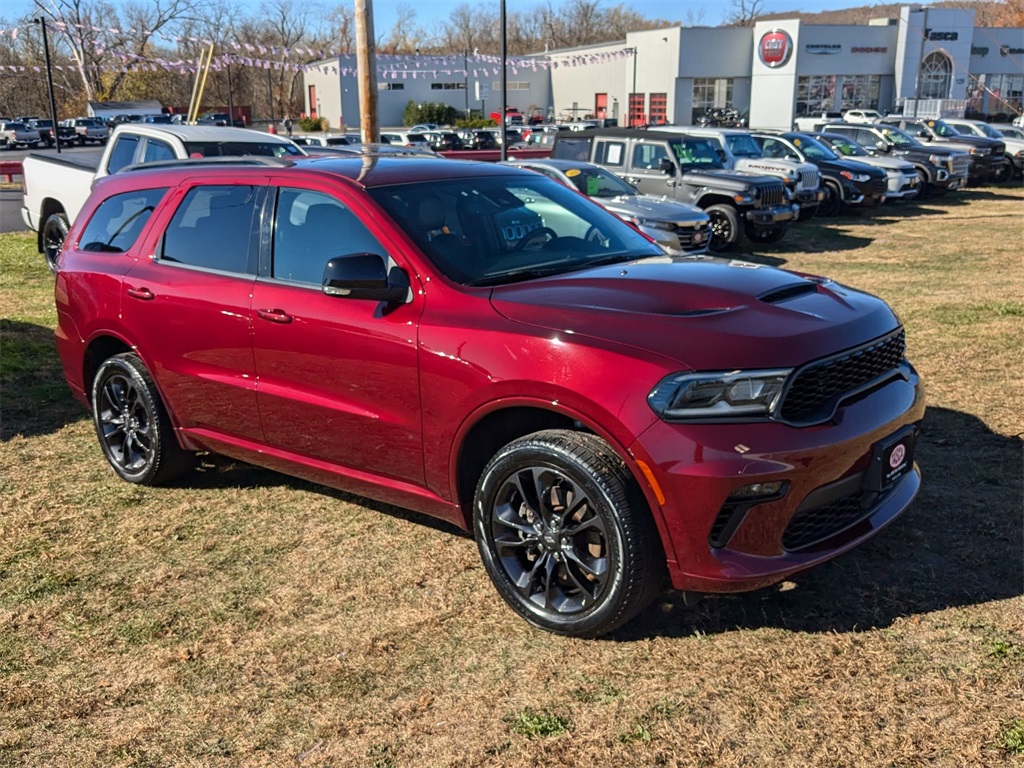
36 399
959 544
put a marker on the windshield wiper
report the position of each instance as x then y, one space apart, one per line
535 272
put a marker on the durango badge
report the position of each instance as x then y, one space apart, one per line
775 48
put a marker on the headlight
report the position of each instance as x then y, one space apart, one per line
654 224
718 395
860 177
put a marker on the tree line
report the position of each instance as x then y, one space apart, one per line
96 46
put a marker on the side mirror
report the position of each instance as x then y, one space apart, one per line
923 134
365 276
882 146
667 167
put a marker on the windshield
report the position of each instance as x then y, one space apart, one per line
742 145
814 149
846 147
988 130
696 152
501 229
943 129
597 182
899 137
238 148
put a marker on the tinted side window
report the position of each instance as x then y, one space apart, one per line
213 228
122 153
310 229
118 221
647 156
156 151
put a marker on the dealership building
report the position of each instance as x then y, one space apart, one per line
928 61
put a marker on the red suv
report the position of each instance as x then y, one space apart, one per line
485 345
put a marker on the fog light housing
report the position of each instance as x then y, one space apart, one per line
756 490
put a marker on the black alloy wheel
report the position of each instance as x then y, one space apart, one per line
132 425
565 534
55 230
725 227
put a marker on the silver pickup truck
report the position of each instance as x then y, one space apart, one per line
56 188
740 152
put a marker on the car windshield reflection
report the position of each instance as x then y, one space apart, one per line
484 231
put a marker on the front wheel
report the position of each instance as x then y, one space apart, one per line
725 227
769 235
55 230
1002 173
833 202
565 535
132 425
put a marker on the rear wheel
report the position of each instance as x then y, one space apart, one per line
132 425
55 230
725 227
565 535
770 235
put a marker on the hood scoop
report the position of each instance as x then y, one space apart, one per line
787 292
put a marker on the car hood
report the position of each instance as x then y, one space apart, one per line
702 313
887 162
651 207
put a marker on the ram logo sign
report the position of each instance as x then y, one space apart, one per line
775 48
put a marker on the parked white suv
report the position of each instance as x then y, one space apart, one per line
862 116
406 139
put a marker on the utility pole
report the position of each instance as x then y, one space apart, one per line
633 94
504 87
231 104
366 61
41 21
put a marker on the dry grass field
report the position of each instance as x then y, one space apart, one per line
243 618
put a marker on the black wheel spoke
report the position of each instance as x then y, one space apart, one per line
508 517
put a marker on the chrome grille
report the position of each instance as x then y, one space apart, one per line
808 180
960 165
688 236
819 386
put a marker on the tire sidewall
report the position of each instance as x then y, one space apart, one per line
590 621
729 215
59 222
129 366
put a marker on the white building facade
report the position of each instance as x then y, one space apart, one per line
928 61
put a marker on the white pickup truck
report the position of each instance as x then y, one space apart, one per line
56 187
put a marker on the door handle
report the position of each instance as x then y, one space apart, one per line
274 315
632 179
141 293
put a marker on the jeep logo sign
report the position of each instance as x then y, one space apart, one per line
775 48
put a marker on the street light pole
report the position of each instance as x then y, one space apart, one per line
41 21
504 87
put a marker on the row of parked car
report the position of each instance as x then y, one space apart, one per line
755 184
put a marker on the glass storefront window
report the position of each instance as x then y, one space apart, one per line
711 93
815 94
861 91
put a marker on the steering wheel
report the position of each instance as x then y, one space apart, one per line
534 234
595 235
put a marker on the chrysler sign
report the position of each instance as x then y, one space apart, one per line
775 48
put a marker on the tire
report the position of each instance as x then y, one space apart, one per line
55 230
1003 174
924 189
565 534
833 202
725 227
132 425
81 141
765 236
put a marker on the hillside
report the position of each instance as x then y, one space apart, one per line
987 13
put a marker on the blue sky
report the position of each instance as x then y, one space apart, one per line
704 12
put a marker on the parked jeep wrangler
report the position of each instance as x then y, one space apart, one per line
689 169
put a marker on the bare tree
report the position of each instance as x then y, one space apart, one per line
745 12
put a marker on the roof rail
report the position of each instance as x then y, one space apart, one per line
198 162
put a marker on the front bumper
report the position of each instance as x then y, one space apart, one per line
687 238
901 185
699 467
766 217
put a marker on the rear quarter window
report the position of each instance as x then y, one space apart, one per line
118 221
572 149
